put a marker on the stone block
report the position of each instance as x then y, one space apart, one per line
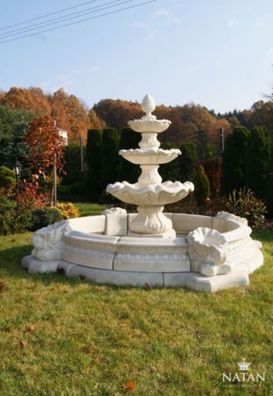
118 278
36 266
89 224
116 224
176 279
95 258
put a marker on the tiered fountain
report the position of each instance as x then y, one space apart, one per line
149 193
151 247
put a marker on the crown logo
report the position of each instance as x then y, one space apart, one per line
243 365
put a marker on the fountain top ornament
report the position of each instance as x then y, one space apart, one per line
149 193
151 248
149 122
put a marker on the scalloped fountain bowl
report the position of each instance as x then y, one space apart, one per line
152 156
208 253
154 195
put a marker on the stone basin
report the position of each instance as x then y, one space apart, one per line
208 253
150 194
149 125
152 156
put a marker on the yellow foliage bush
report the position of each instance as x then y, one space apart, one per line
67 210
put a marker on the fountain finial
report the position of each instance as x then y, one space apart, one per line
148 105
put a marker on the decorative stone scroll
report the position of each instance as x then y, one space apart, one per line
208 251
47 242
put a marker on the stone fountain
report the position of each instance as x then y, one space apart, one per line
149 193
151 247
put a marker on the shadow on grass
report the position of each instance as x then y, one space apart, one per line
263 235
10 265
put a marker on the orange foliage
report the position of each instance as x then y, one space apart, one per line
70 114
130 386
32 99
44 141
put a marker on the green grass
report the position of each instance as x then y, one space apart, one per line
87 209
61 336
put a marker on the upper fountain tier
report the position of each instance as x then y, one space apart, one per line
149 123
150 156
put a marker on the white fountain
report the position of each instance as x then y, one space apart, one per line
149 193
151 247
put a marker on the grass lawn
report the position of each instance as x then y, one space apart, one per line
87 209
61 336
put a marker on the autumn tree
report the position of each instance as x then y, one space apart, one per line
117 113
70 114
32 99
44 143
95 122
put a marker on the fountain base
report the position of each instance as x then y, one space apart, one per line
208 253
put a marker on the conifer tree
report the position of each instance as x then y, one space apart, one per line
109 157
234 160
93 158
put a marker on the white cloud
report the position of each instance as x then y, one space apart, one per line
259 23
139 25
169 17
232 22
161 18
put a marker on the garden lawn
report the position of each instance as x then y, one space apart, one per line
61 336
87 209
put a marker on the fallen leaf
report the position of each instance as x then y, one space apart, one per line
23 344
30 328
130 386
88 349
2 286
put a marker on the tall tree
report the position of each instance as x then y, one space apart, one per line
44 143
13 128
93 158
70 114
95 121
188 161
259 161
126 170
234 174
109 157
32 99
171 170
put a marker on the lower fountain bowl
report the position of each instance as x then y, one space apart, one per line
207 254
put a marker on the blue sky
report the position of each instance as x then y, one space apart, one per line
215 53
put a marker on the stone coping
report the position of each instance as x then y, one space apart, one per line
211 254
